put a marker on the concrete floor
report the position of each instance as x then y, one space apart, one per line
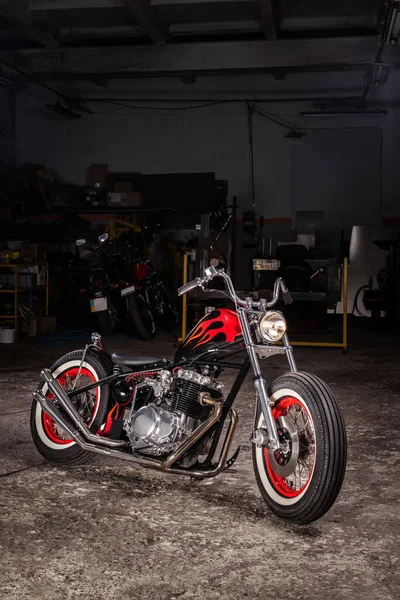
108 530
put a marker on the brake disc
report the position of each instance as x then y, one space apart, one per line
284 460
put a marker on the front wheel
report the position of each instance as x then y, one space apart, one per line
302 480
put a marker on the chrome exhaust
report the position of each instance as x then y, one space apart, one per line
79 432
50 408
62 397
195 436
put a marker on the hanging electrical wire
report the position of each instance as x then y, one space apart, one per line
278 121
250 111
44 85
165 108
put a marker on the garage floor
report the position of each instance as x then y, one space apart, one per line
108 530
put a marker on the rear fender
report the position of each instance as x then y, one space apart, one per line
104 357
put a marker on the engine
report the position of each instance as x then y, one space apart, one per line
174 412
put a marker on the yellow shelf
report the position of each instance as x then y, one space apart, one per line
15 291
23 265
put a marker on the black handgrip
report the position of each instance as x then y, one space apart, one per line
287 298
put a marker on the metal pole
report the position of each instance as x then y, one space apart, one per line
15 302
184 299
391 20
233 238
345 288
47 290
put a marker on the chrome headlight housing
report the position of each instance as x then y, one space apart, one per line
272 326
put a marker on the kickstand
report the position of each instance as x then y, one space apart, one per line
232 460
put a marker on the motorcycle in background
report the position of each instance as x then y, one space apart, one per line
124 288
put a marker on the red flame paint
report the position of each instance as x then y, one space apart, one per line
218 321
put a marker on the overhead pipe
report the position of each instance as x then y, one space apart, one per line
390 21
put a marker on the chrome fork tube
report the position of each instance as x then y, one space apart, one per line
259 382
289 353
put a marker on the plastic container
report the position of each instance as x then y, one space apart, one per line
7 336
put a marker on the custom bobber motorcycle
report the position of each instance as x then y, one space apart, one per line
169 415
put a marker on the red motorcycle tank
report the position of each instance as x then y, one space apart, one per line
215 329
141 270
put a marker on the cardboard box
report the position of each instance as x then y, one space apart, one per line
32 253
68 195
46 324
38 273
123 187
33 328
5 214
41 325
134 199
116 199
96 176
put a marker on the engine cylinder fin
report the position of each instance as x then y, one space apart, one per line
185 398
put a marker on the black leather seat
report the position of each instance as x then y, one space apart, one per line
139 362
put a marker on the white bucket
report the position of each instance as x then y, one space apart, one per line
7 336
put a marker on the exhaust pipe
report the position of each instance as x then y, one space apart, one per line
73 414
80 433
51 409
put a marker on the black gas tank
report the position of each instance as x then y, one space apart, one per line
215 329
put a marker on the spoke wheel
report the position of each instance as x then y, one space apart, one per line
86 403
301 481
290 469
50 439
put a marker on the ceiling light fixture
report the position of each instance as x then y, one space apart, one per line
5 81
63 111
340 113
295 136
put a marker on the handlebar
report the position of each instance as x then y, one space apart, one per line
211 272
191 285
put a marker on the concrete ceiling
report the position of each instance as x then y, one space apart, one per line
76 22
128 37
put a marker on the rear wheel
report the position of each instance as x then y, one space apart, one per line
170 310
141 315
107 319
302 480
50 439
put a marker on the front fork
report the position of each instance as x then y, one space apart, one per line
271 440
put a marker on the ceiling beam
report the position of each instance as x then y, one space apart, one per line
17 12
74 4
211 57
145 15
269 11
75 35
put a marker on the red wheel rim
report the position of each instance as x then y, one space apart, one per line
48 424
284 486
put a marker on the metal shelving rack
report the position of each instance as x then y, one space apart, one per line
16 290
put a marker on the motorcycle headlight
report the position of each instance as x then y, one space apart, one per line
272 326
